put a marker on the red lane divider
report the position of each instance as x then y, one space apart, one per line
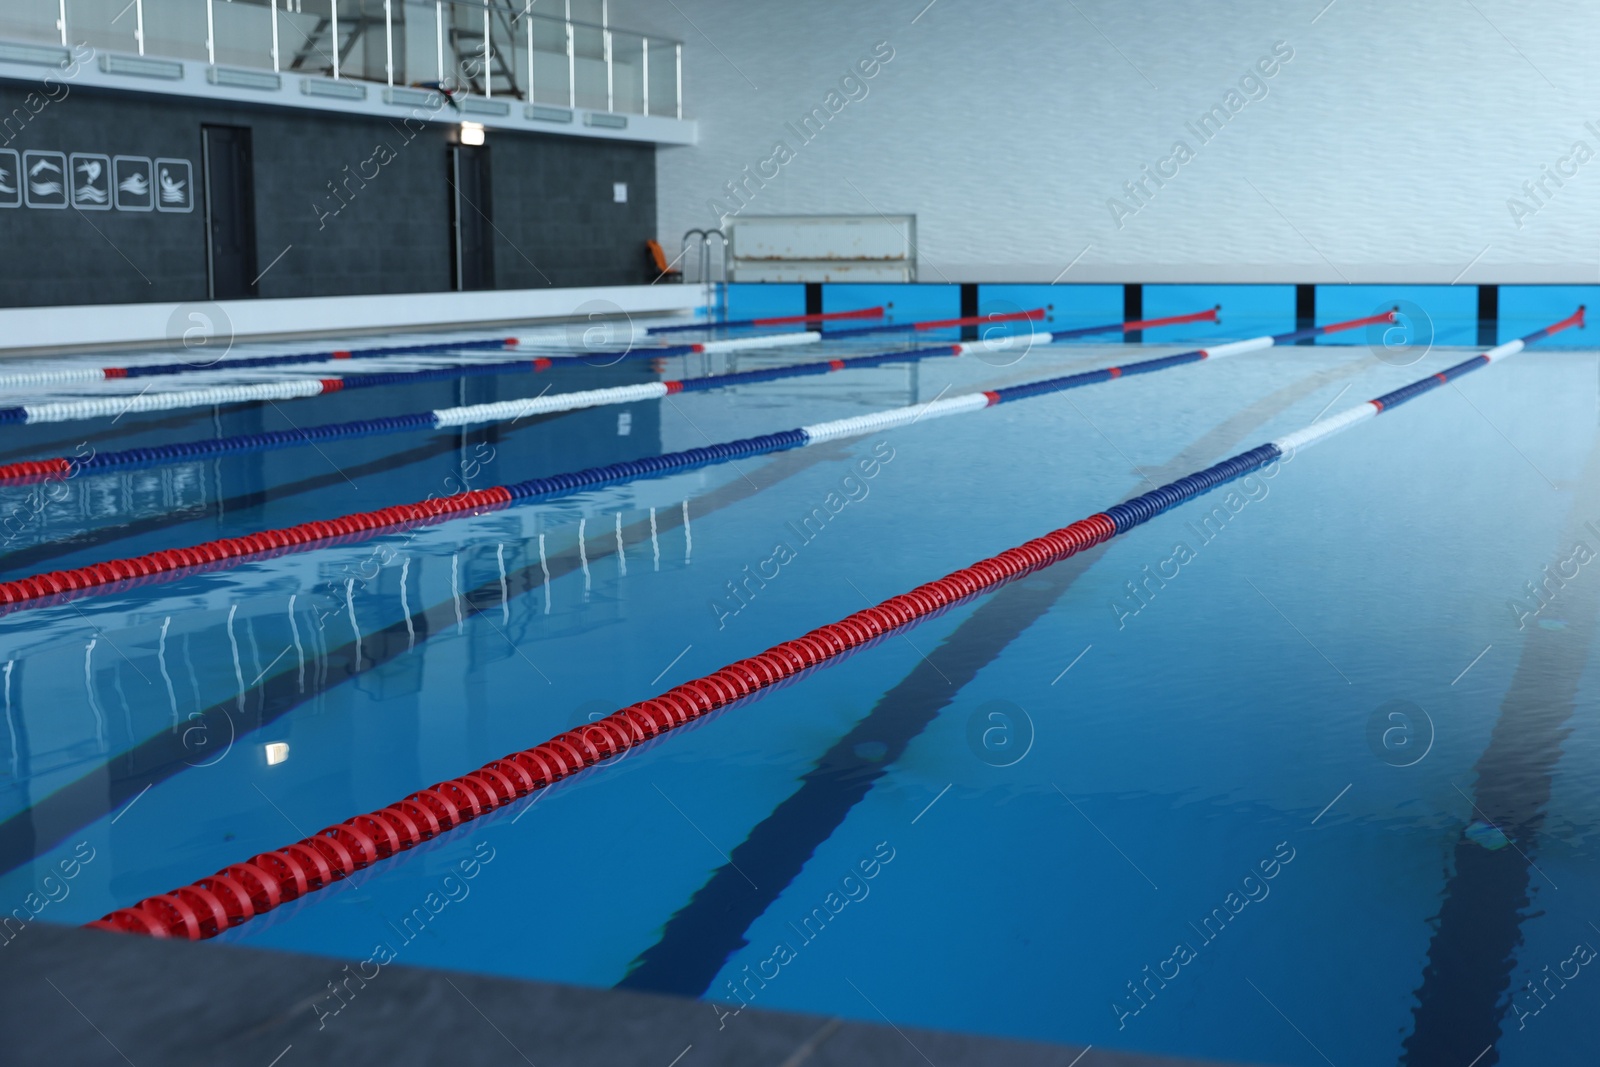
36 470
168 563
790 320
979 320
1208 315
242 891
779 320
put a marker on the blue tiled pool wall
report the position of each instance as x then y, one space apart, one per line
1444 314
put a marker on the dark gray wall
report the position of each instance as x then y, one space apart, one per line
553 209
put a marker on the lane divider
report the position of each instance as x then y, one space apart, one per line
941 324
68 375
780 320
1231 348
55 587
208 396
239 892
1325 428
1209 315
99 407
29 471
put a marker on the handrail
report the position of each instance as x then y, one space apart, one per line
527 11
705 252
319 36
704 279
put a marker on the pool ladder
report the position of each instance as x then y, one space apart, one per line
715 293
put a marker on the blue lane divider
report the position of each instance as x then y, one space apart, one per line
1142 509
537 488
155 369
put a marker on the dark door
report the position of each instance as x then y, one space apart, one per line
230 213
471 218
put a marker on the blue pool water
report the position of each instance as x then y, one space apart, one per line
1313 789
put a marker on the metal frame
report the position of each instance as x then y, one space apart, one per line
705 237
510 72
572 63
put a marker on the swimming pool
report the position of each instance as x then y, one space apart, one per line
1301 792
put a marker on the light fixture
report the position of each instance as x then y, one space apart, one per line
472 133
277 752
140 67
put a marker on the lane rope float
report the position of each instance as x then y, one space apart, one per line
28 471
241 891
299 388
779 320
165 565
1209 315
70 375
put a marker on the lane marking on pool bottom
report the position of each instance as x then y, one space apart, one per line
240 892
27 471
713 925
54 587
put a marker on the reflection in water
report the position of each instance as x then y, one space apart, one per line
1462 1002
384 657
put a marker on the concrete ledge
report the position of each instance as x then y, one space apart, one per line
34 331
83 996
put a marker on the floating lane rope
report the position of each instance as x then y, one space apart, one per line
208 396
1232 348
941 324
69 375
888 327
66 375
1324 428
242 891
781 320
1022 316
36 470
166 565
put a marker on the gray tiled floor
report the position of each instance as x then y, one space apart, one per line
84 997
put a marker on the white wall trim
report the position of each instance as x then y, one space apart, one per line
30 331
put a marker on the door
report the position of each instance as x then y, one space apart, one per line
230 213
471 218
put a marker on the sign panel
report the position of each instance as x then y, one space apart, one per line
44 176
10 178
174 185
135 186
91 182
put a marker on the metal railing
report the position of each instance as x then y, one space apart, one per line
714 291
489 48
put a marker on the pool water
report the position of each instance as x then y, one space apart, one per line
1297 773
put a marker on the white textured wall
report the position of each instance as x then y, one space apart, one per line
1385 150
